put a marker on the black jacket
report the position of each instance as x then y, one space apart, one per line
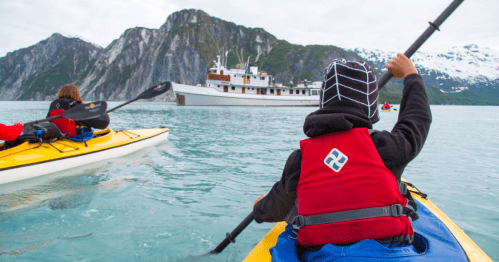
100 122
396 148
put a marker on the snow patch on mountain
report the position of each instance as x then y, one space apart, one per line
81 38
470 63
458 89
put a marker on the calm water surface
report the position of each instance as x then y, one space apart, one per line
179 198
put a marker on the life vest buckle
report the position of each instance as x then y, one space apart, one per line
396 210
403 188
299 221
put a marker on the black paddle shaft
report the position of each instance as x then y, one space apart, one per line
96 109
78 113
148 93
231 237
420 41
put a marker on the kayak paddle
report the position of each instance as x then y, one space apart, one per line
92 110
231 237
149 93
420 41
80 112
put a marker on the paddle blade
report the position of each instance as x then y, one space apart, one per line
86 111
155 90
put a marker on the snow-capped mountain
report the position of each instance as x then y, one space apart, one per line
452 71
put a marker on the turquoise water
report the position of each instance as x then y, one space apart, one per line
180 198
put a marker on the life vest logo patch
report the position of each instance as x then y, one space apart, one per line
335 160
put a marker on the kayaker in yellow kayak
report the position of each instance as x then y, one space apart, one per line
343 185
386 106
68 97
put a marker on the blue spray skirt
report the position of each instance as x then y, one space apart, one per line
433 242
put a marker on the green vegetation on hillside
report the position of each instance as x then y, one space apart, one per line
436 97
484 97
232 60
393 95
276 61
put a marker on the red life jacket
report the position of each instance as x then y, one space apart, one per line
346 194
67 126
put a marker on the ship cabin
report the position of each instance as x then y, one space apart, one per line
242 81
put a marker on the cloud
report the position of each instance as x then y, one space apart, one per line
390 25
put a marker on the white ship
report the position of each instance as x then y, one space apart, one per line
237 87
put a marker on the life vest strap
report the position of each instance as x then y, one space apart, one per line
395 210
407 194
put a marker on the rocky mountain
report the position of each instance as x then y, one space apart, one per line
35 72
182 50
470 73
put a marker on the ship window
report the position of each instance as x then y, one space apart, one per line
218 85
252 88
233 88
290 91
271 91
314 92
254 77
303 92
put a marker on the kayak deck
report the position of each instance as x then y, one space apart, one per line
261 251
37 159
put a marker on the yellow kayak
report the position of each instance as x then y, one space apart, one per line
30 160
261 252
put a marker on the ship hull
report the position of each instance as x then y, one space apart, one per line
204 96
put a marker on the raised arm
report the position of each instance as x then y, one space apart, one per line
398 147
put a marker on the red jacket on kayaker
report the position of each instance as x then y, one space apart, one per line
9 133
340 114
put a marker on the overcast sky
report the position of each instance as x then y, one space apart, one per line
390 25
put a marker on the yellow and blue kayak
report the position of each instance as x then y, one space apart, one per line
440 239
30 160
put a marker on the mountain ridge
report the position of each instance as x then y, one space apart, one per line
181 50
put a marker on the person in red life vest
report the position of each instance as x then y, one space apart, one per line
68 97
10 133
385 106
344 185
